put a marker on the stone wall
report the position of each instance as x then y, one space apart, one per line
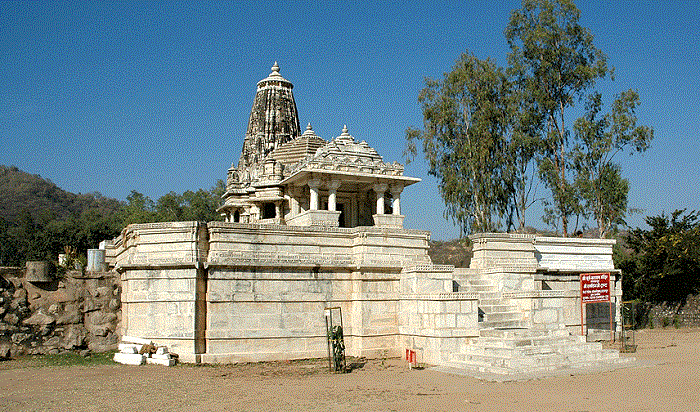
78 311
673 314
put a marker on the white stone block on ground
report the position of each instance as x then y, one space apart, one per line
129 348
161 356
157 361
140 341
162 350
129 358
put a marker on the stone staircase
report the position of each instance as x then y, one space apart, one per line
509 348
498 312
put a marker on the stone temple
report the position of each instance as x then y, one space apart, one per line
310 224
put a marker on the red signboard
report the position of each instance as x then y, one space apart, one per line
595 287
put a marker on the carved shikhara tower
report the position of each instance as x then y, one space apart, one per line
285 177
273 119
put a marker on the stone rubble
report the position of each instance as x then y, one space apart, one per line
138 351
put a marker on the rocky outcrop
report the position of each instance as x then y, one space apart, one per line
80 311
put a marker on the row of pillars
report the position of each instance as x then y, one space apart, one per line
333 185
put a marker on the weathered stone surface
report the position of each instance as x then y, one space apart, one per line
52 342
75 336
39 318
91 305
102 318
20 337
70 314
5 352
11 319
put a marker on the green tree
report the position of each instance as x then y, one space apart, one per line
139 208
524 128
599 139
463 141
556 58
664 263
169 207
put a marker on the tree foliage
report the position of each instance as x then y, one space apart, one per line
486 130
557 59
598 139
664 261
464 115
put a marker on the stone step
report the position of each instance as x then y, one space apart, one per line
502 316
504 324
527 341
504 333
511 348
493 301
497 308
534 361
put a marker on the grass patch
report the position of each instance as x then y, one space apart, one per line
63 359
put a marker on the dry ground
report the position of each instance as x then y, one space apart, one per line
670 385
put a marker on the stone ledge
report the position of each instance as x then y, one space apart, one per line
391 221
325 218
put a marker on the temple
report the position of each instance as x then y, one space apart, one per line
310 224
285 177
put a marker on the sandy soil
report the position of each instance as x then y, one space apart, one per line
375 385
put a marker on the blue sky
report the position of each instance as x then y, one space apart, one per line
155 97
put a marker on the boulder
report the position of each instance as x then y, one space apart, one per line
20 294
18 303
103 318
53 342
71 314
103 291
75 336
11 319
20 337
5 351
114 304
100 331
91 305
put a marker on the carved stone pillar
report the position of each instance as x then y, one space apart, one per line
332 192
278 209
313 195
379 189
354 211
396 195
294 205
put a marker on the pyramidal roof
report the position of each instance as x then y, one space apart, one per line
345 146
300 148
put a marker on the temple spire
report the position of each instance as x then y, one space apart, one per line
273 121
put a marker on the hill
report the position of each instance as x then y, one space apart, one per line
39 219
22 192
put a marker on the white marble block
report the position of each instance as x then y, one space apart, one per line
129 358
129 348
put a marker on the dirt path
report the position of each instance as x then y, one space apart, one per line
670 385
